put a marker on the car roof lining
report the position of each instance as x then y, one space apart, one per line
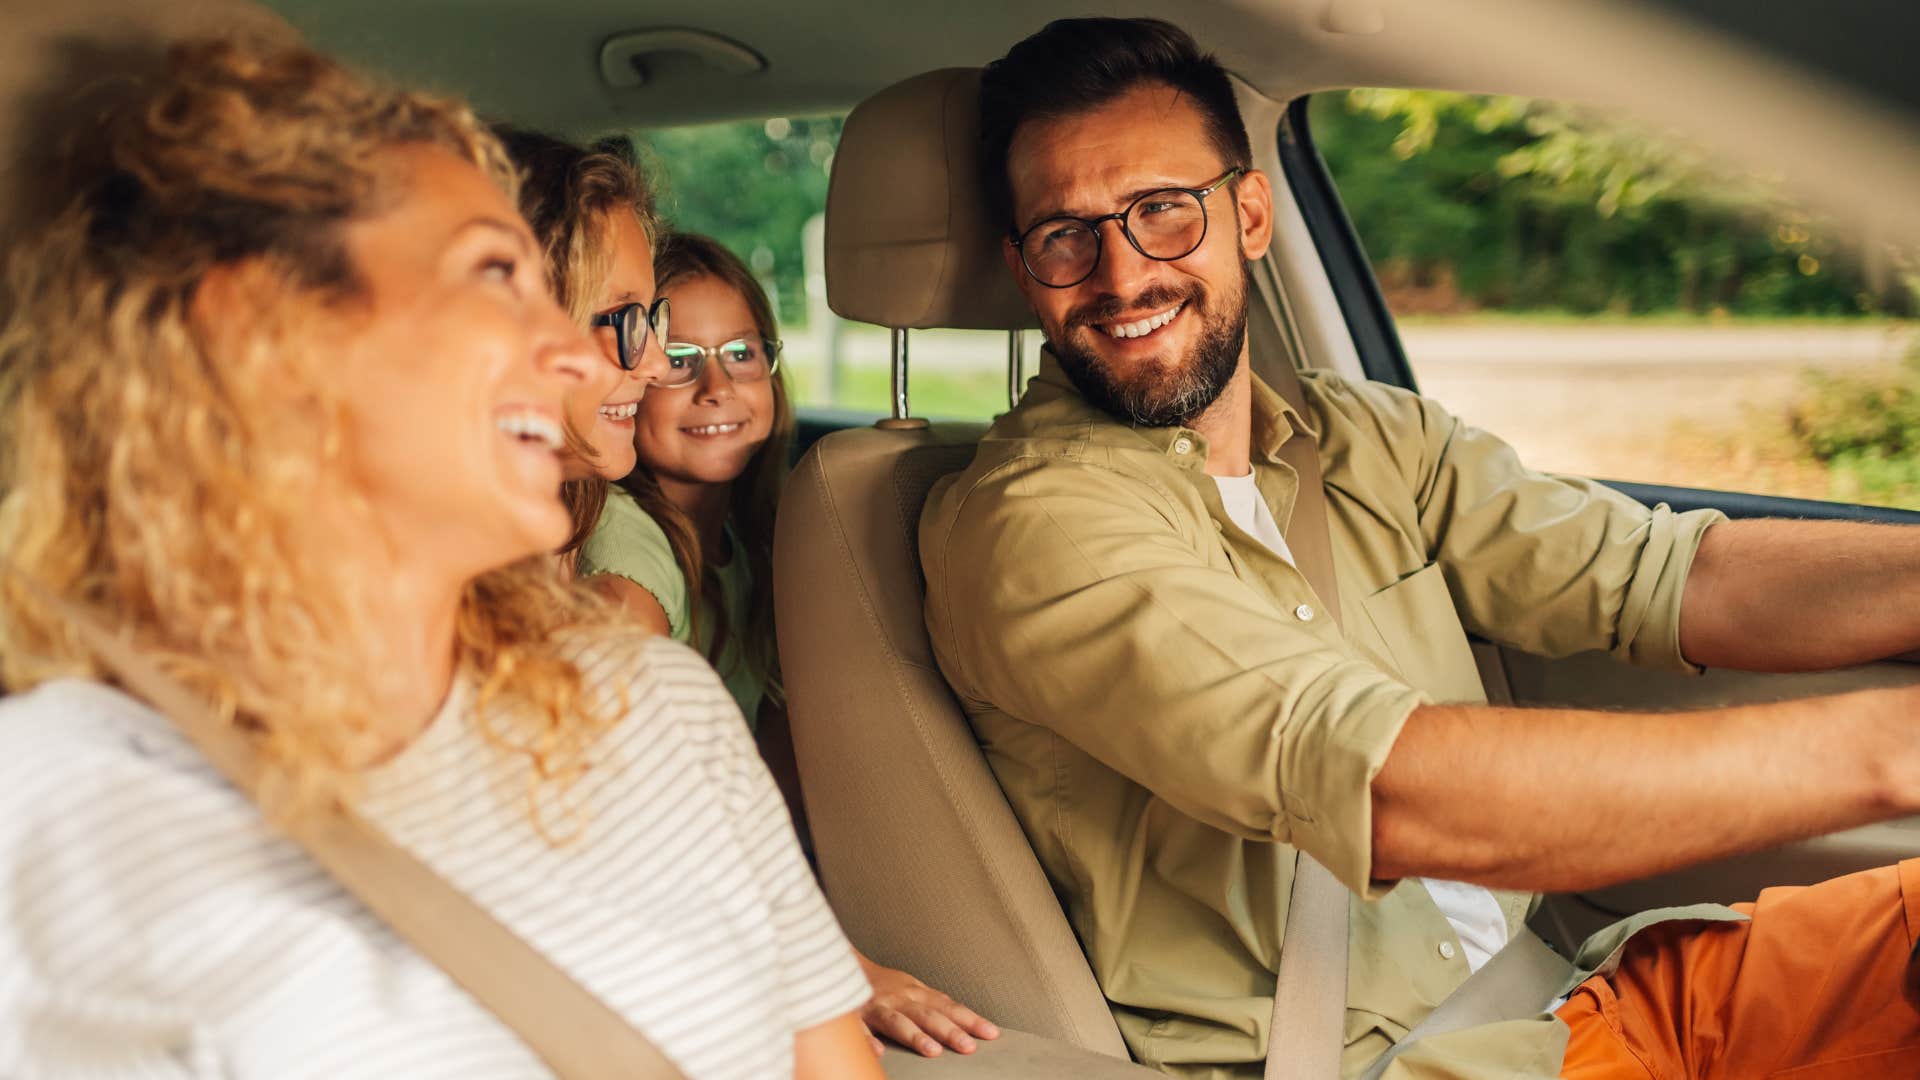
538 64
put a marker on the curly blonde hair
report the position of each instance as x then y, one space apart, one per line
156 468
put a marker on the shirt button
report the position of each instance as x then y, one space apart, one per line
1182 445
1446 950
1304 613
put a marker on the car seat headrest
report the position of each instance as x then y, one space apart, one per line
909 241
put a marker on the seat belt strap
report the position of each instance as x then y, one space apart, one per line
575 1033
1517 982
1308 1029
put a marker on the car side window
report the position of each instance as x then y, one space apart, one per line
1617 304
760 187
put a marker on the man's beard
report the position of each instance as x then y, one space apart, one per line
1158 394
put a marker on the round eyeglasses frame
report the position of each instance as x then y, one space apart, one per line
631 323
687 350
1199 194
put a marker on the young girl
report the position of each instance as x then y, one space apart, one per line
281 398
715 451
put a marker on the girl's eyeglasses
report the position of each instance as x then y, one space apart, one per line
747 359
631 323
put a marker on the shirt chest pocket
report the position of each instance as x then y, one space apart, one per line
1414 620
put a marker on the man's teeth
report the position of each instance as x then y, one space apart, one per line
620 412
713 429
532 427
1144 326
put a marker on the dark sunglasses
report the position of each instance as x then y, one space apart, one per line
631 323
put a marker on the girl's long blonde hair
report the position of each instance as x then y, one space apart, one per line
157 468
756 491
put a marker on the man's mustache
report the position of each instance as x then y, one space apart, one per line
1110 308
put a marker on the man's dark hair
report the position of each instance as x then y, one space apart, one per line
1074 65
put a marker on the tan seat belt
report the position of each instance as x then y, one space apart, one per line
1309 1002
1308 1030
1518 981
575 1033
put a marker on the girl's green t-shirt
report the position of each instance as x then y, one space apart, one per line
629 543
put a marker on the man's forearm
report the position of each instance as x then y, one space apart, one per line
1552 800
1801 595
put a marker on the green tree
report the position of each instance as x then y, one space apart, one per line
1521 203
752 186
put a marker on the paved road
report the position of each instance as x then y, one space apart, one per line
1571 397
1737 345
1606 400
1743 345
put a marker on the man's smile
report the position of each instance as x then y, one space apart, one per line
1142 327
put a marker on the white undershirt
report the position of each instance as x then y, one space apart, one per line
1472 911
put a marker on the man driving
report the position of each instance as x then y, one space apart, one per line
1176 712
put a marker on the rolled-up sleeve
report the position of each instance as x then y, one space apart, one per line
1546 564
1073 597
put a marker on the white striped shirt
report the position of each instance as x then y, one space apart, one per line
152 925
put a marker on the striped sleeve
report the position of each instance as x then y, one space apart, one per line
818 975
95 837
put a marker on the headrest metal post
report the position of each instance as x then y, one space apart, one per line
1016 342
902 413
901 410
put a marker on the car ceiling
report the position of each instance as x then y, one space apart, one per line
1831 105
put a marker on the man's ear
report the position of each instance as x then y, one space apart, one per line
1253 194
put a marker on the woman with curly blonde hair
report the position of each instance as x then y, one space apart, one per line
281 396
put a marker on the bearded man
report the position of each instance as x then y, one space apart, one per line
1177 715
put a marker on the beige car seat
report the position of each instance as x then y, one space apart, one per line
921 855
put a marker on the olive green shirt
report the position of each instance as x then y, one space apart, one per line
1170 712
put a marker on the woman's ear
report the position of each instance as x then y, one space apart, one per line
1253 195
228 306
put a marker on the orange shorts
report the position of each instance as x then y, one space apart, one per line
1817 986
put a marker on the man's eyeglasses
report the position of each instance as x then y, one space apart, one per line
745 360
1168 224
631 323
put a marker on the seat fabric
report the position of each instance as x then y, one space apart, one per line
921 856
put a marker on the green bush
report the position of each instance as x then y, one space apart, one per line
1866 431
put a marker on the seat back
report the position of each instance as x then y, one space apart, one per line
922 857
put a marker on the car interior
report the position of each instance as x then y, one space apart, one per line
919 853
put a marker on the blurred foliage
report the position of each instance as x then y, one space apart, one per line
752 186
1865 429
1467 202
1464 202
